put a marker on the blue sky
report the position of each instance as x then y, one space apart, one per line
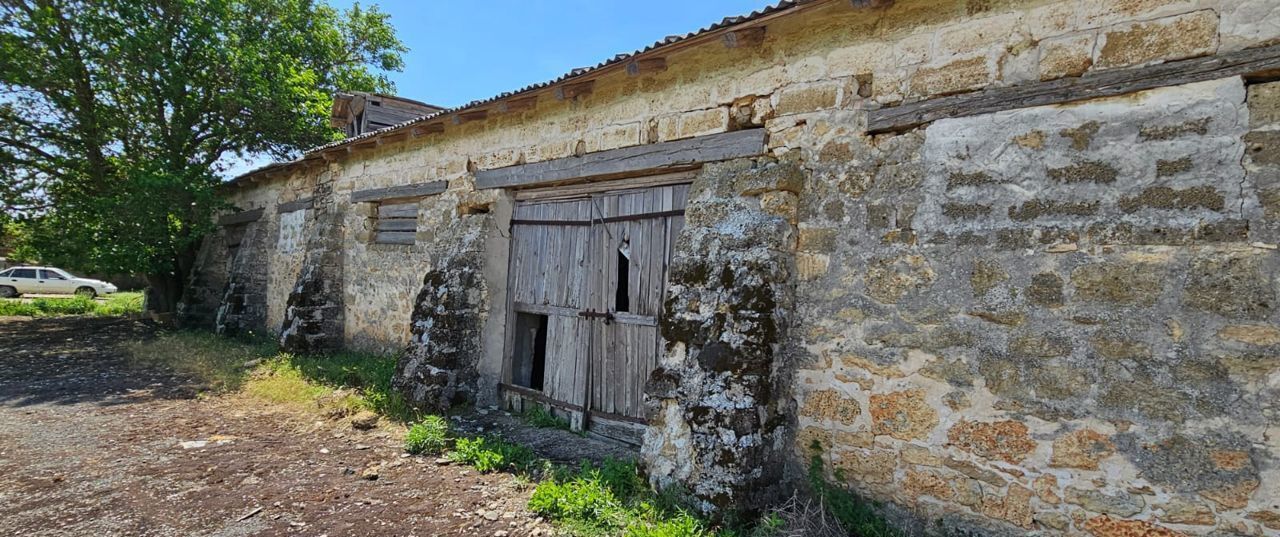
460 51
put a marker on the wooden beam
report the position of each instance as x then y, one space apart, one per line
518 104
296 205
429 128
574 90
1090 86
394 136
242 217
634 160
403 191
470 115
645 66
744 37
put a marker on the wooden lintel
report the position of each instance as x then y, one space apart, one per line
645 66
242 217
744 37
628 161
403 191
1246 63
861 4
296 205
393 137
518 104
574 90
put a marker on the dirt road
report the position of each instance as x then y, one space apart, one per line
92 447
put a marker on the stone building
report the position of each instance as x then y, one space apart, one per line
1005 266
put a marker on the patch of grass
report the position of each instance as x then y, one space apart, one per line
429 436
855 514
216 361
114 305
340 383
280 380
493 454
542 418
368 375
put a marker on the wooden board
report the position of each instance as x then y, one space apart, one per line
296 205
1090 86
394 237
397 224
403 191
398 210
649 158
242 217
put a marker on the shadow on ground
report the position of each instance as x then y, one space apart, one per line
69 360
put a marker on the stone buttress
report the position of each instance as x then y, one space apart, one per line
313 319
715 425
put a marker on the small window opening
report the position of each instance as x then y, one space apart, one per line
529 361
622 295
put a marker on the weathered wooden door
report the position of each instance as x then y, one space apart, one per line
588 277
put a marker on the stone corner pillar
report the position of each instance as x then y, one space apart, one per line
717 426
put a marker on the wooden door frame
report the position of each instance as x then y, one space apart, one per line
582 415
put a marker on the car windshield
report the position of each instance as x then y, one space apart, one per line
59 272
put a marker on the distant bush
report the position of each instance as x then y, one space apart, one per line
429 436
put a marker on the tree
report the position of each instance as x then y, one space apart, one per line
118 116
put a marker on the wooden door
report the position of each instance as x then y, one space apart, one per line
588 278
549 282
636 231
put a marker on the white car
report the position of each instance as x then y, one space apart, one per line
48 280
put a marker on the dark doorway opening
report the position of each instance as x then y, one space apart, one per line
530 359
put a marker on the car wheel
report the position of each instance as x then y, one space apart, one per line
8 292
86 292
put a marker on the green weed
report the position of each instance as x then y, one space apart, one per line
611 500
216 361
429 436
493 454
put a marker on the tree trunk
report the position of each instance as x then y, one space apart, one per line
165 289
164 292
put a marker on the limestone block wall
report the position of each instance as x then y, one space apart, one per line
380 282
1057 317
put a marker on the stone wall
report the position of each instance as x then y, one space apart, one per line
1057 319
1054 317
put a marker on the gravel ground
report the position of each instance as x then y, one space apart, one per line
91 446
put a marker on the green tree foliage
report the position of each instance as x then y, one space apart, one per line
117 116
